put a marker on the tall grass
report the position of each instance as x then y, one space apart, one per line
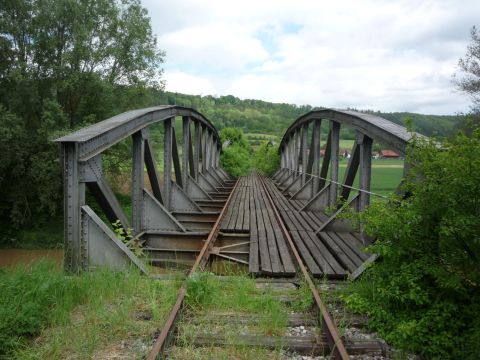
47 315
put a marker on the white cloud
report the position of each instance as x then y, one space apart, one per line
387 55
178 81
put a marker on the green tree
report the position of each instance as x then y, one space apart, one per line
469 78
63 64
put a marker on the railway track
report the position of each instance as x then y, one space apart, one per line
303 326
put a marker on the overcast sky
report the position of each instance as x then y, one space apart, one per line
382 55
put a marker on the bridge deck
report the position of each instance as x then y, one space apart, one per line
331 254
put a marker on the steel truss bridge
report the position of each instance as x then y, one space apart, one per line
188 214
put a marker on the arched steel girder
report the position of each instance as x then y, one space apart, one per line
98 137
189 183
304 177
375 127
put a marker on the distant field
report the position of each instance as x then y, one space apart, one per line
386 175
251 137
346 144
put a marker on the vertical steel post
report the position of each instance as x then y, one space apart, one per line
214 152
304 152
316 153
295 153
167 163
204 148
335 144
74 198
138 161
365 171
185 149
198 148
208 146
290 154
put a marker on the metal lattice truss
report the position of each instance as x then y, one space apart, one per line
89 242
302 174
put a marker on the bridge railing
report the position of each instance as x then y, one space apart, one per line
302 174
187 180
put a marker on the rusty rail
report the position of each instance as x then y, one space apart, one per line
334 340
200 262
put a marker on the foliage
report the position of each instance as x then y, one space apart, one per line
266 118
57 56
122 234
266 158
424 295
74 315
234 136
65 64
469 79
200 289
236 157
126 236
236 160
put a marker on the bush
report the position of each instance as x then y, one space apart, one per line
236 160
236 157
424 296
266 158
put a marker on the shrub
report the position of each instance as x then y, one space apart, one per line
424 296
266 158
236 157
236 160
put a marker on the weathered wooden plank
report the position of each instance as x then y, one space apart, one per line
235 204
271 242
305 254
337 251
354 244
246 217
346 249
254 266
265 264
327 255
241 209
314 221
285 256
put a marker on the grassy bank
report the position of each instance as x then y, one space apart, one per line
47 315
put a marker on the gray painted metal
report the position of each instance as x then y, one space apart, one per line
316 153
365 172
334 149
167 162
96 138
103 246
152 172
157 217
323 192
304 152
138 161
86 237
375 127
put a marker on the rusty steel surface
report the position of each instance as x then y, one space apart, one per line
200 262
334 340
